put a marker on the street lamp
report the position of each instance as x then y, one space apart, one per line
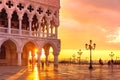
74 57
79 53
90 47
111 55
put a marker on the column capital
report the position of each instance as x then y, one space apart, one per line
20 17
9 16
30 20
19 50
39 21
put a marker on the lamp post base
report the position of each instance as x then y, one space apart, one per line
90 67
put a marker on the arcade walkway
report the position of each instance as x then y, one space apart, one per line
64 72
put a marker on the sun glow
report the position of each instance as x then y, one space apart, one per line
43 54
36 55
30 55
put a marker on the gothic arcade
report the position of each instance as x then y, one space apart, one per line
27 25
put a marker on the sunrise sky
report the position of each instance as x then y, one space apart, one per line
84 20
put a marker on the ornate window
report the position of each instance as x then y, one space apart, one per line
0 2
52 26
25 22
43 24
48 12
15 21
35 23
20 6
9 4
30 8
39 10
3 18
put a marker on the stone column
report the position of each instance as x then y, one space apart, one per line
19 59
47 30
46 55
47 63
20 26
56 31
51 27
30 26
47 25
9 24
39 32
56 59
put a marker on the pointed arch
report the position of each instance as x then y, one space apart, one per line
29 41
15 20
8 52
28 49
43 24
35 24
49 43
3 18
25 22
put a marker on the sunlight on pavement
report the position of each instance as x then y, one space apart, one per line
73 72
33 75
42 74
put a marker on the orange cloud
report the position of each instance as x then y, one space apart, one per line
82 20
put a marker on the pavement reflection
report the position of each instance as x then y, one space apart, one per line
64 72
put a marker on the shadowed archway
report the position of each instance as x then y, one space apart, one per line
8 53
27 49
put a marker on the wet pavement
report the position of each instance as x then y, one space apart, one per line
64 72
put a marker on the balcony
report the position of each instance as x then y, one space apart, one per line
4 30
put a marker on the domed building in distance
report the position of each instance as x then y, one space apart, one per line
28 28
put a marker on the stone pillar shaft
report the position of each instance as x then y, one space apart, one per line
9 25
39 32
47 60
19 59
47 30
55 61
20 26
30 26
56 32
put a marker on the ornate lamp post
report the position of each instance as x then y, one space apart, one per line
90 47
111 55
79 53
74 57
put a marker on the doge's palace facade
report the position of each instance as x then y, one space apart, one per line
28 27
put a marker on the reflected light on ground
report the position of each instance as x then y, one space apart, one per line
34 75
